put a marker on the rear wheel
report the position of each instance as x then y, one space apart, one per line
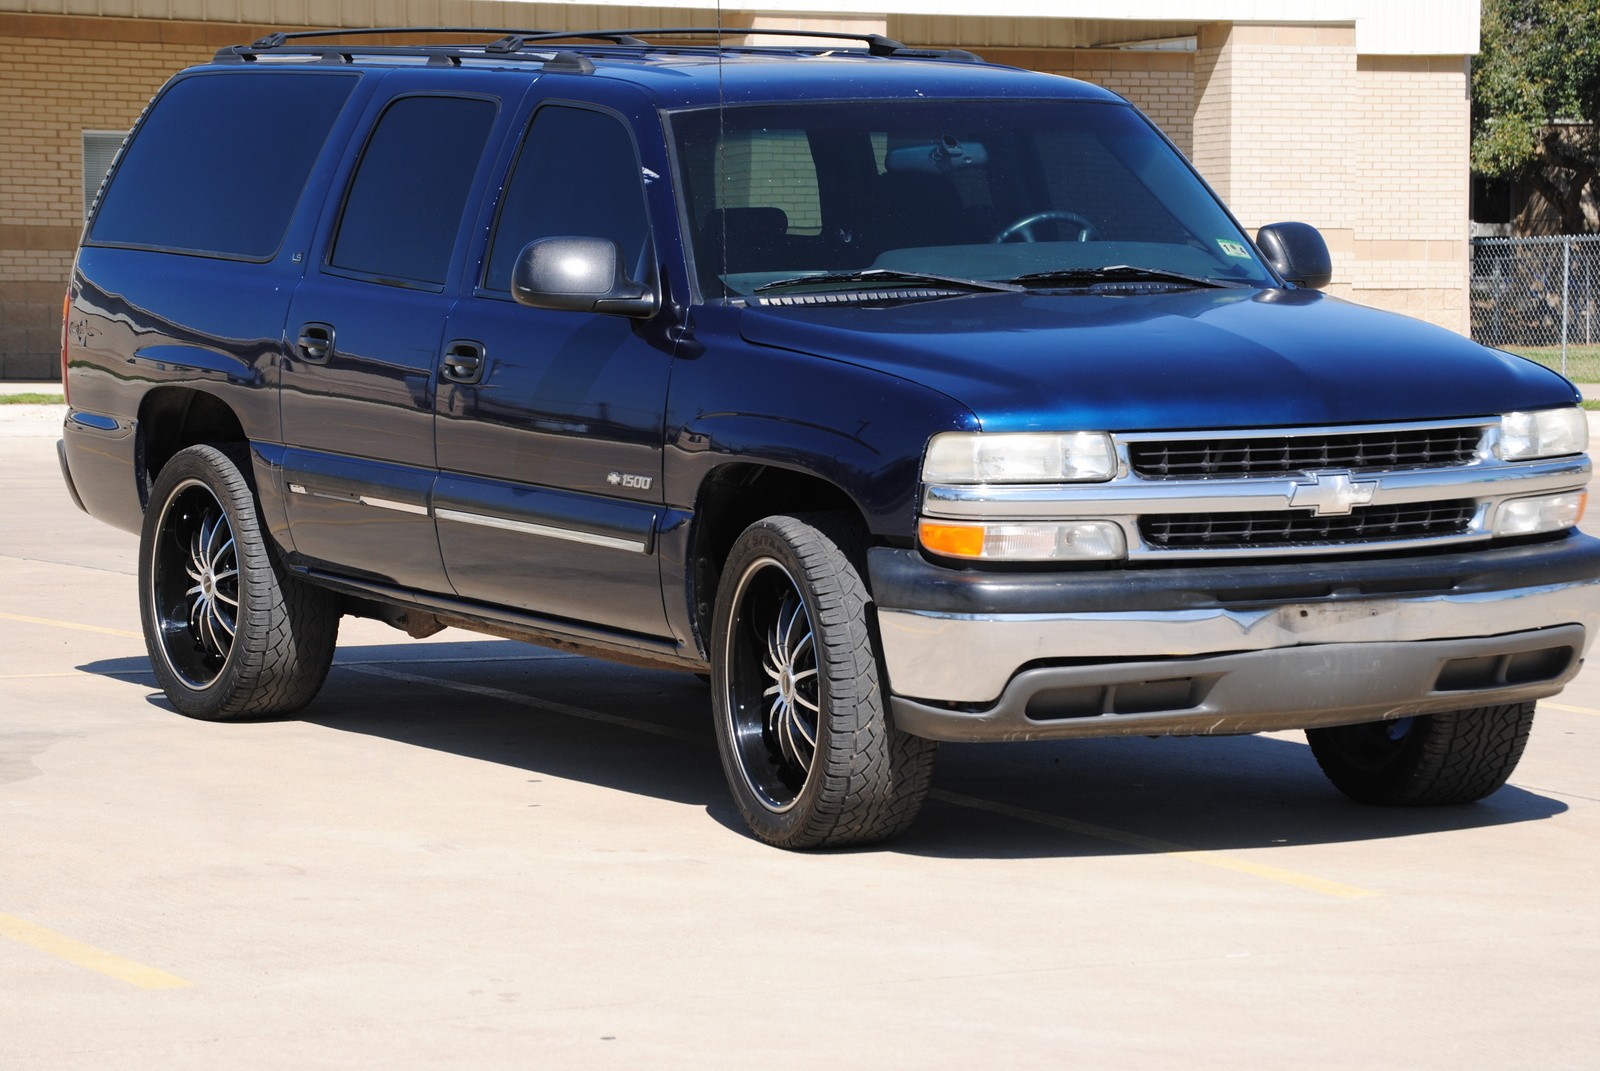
807 743
1454 757
230 633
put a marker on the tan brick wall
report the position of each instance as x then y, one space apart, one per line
1160 84
58 79
1410 131
1291 124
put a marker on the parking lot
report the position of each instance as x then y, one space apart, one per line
470 853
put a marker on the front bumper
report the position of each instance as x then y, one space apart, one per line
974 655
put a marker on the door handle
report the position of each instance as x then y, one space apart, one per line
315 344
463 361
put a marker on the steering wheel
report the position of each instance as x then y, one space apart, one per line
1023 228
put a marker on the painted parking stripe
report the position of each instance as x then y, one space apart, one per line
1309 882
1545 704
95 959
1204 857
75 626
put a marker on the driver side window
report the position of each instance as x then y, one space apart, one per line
576 175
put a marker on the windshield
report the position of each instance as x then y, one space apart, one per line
978 190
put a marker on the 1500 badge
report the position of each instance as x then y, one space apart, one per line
629 480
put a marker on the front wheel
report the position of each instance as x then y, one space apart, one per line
230 633
1454 757
807 742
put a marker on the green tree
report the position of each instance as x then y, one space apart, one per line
1536 100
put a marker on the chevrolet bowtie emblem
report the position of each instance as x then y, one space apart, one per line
1332 494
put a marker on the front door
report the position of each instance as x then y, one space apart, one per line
549 423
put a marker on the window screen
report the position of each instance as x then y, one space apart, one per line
99 150
405 204
219 163
577 175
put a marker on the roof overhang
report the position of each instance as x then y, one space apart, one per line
1383 27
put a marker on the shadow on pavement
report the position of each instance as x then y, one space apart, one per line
650 733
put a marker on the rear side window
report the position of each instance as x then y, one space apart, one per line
219 164
405 204
576 176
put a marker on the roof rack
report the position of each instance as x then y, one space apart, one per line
512 41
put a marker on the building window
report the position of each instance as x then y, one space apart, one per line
99 149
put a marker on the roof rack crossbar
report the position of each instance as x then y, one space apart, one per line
512 41
506 34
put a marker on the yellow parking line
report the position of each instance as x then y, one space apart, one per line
1309 882
1545 704
75 626
76 952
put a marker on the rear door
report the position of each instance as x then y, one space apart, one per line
365 328
549 492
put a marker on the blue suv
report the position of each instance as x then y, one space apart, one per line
906 397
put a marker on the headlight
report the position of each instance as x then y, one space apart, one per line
1019 457
1027 541
1547 433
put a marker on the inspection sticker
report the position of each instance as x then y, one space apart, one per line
1233 249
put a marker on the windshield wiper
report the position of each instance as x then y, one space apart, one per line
893 277
1115 273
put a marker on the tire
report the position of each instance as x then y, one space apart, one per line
230 633
808 745
1456 757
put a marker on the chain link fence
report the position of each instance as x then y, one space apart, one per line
1540 297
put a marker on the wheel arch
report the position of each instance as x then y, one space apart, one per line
734 496
174 418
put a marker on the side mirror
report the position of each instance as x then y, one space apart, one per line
1297 252
578 275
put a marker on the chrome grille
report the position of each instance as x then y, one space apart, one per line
1281 455
1300 528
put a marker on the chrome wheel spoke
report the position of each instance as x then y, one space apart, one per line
224 552
220 617
208 634
806 731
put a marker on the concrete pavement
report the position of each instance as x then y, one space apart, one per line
472 853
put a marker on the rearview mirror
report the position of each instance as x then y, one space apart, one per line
1297 252
578 275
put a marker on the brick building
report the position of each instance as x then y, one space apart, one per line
1348 114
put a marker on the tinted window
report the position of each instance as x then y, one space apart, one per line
219 163
404 208
576 176
992 189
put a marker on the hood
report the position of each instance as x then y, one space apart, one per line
1190 359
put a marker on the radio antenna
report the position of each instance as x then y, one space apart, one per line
719 212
